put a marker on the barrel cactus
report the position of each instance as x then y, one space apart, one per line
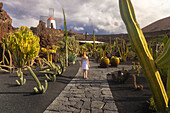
104 62
115 61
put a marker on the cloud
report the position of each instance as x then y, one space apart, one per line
78 28
102 15
96 30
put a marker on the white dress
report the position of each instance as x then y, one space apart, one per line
85 64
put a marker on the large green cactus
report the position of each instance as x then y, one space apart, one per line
66 35
21 81
94 39
24 46
41 88
53 69
145 58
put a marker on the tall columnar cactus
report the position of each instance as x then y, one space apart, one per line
66 35
123 50
168 83
40 88
94 39
145 58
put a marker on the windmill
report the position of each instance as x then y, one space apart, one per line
50 20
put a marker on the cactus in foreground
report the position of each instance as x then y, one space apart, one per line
40 88
145 58
22 79
53 70
23 46
168 84
51 78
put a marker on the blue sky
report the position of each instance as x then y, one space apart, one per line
85 15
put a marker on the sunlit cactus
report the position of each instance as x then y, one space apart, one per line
114 61
40 88
23 46
148 64
66 37
104 62
53 69
50 78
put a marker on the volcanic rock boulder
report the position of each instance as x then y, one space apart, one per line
5 26
48 37
5 23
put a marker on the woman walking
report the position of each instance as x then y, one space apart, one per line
85 64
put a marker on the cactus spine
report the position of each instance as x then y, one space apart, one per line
144 56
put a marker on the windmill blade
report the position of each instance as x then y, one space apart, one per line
44 18
51 12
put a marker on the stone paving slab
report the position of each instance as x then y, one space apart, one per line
90 95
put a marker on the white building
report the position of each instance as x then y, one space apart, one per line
51 23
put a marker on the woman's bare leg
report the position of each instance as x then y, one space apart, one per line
84 73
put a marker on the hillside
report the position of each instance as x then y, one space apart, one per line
162 24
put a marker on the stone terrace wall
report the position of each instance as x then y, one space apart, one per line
106 38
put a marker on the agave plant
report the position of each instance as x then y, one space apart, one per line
149 66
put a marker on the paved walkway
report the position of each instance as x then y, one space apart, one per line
90 95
